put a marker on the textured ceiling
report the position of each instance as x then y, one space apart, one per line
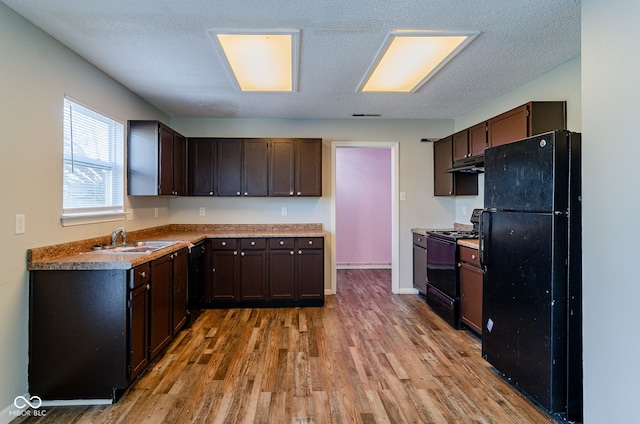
160 50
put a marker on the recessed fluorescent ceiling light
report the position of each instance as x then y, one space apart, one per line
260 60
407 59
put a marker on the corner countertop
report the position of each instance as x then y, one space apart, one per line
73 256
470 243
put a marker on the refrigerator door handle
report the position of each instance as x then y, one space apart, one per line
481 239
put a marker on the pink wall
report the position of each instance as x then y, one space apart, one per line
363 206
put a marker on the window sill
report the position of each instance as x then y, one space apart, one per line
68 220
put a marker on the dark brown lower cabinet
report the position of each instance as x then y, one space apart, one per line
470 289
139 319
253 272
92 332
160 324
310 266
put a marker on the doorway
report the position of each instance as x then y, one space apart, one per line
390 218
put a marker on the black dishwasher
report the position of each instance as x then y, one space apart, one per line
195 289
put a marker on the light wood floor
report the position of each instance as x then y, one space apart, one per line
367 356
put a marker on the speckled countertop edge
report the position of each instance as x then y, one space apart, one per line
72 256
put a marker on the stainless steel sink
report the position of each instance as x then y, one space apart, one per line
133 247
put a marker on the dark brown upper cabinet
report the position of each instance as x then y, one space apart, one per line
241 167
201 163
156 160
525 121
296 167
477 139
450 183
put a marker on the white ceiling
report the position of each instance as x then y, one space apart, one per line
160 50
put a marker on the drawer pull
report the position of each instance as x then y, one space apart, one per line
224 243
253 243
310 242
143 274
473 256
242 254
281 242
292 252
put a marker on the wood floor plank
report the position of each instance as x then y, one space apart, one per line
366 356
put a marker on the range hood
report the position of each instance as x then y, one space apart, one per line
469 165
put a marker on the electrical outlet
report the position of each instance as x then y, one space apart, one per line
201 211
284 211
155 212
403 195
19 224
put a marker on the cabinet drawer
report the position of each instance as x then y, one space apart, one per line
224 244
469 255
258 243
420 240
282 243
140 275
310 242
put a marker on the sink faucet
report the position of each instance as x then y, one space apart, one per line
115 233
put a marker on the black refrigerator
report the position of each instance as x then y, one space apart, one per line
531 257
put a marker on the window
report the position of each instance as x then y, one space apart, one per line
93 166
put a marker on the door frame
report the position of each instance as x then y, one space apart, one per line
395 225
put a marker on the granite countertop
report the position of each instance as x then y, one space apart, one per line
74 256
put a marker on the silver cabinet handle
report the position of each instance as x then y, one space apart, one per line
237 193
310 242
473 256
253 243
211 193
299 193
224 243
143 274
242 254
246 193
148 286
281 242
235 253
291 193
292 252
299 252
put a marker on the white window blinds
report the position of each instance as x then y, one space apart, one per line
93 162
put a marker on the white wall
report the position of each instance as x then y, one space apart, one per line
611 201
35 74
562 83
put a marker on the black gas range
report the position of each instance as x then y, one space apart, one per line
443 284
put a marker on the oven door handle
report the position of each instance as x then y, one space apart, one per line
481 238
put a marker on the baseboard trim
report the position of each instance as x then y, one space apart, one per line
363 266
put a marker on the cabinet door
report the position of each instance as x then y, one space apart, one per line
179 273
228 167
165 159
282 274
138 330
179 164
442 159
508 127
255 167
282 172
461 145
420 269
309 167
201 164
471 296
223 275
160 305
478 139
310 266
253 274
